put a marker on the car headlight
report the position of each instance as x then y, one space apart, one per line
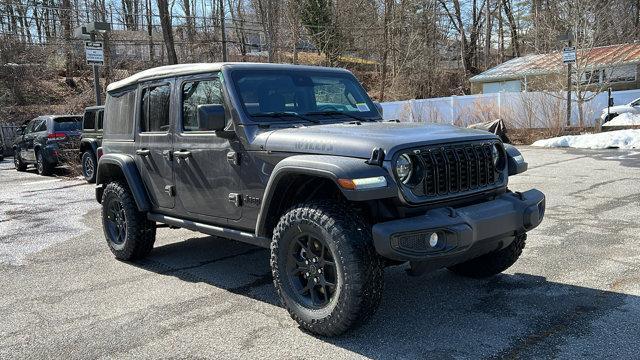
404 168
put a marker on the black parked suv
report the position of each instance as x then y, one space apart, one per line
44 140
298 159
91 140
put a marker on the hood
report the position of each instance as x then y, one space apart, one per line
618 109
354 140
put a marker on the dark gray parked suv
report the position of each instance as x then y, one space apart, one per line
298 159
44 140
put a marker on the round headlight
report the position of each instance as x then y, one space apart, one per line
404 167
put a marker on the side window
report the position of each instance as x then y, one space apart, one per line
194 93
30 125
100 119
155 109
40 125
89 121
120 108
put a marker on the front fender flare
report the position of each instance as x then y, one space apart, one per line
329 167
127 166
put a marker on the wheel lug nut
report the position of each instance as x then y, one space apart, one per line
306 274
319 271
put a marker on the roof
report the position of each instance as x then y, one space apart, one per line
542 64
199 68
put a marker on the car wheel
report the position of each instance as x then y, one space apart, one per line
42 167
17 162
325 268
129 234
492 263
89 166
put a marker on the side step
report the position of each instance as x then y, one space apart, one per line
237 235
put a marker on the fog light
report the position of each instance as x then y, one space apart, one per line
433 240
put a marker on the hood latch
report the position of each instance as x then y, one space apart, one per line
377 157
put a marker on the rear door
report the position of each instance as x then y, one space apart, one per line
155 143
206 168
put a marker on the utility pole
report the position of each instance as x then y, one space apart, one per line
96 76
224 37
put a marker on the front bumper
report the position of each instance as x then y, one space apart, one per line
463 232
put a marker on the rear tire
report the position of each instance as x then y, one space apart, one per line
129 234
89 166
42 166
492 263
325 269
17 162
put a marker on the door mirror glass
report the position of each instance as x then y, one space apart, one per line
211 117
20 130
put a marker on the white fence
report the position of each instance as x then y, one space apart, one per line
521 110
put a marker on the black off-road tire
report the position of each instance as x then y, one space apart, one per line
42 166
139 232
492 263
358 268
89 166
17 162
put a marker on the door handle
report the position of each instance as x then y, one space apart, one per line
182 154
143 152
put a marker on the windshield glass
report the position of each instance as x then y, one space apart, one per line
67 123
269 95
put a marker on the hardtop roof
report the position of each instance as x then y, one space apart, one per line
198 68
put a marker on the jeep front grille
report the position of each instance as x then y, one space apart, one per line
454 169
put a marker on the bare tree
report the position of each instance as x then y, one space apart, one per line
167 31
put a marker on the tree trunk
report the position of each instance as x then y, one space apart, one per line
167 31
515 43
65 18
388 7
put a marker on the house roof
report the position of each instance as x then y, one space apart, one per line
541 64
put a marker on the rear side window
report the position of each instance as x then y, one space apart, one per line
66 124
194 93
120 110
89 121
154 116
40 126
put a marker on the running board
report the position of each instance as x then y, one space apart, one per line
237 235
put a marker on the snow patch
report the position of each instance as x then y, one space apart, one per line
622 139
624 119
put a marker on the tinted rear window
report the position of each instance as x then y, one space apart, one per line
119 112
67 123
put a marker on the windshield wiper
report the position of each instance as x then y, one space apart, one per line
277 114
335 112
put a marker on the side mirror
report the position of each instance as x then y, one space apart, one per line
211 118
20 130
379 107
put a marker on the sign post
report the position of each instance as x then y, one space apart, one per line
568 57
93 50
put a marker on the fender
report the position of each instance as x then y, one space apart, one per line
329 167
88 143
127 169
515 160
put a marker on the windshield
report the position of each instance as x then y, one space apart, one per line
67 123
282 95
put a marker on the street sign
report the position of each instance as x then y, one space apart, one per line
94 52
569 55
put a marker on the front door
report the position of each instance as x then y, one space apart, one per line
206 169
155 143
28 141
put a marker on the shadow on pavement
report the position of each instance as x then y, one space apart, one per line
439 315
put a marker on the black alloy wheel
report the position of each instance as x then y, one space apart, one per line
312 271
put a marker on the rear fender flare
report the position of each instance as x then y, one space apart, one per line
124 166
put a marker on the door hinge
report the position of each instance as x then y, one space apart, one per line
170 190
233 158
236 199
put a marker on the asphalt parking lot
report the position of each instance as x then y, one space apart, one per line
574 293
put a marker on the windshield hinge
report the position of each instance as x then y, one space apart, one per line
377 157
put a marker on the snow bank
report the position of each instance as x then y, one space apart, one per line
624 119
623 139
